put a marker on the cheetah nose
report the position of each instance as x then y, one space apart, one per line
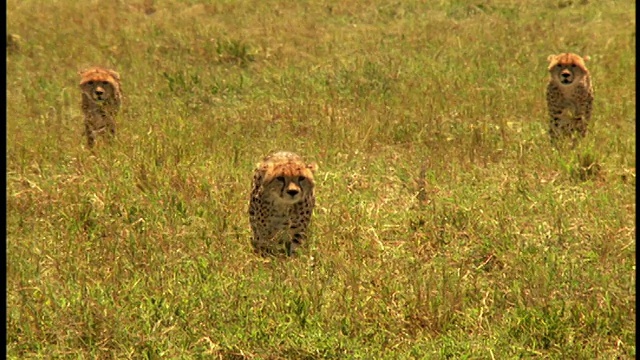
99 92
566 74
292 192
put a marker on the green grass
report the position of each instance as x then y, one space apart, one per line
446 227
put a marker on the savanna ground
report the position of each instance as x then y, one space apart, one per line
446 226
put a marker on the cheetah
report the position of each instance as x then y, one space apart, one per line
569 96
101 100
14 43
282 201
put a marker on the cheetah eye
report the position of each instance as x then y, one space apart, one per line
280 178
559 66
573 65
90 82
301 178
105 83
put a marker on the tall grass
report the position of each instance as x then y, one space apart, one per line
446 226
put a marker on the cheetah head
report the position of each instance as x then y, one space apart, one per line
99 84
289 181
567 68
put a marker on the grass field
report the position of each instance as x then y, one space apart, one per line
446 226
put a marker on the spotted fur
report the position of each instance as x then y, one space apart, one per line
569 96
282 202
101 101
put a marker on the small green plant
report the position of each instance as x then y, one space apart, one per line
234 52
587 167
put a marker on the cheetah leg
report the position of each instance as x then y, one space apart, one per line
258 246
576 131
91 136
295 242
581 126
112 129
554 129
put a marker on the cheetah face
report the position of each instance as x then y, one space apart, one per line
567 68
286 179
283 178
98 91
289 189
99 84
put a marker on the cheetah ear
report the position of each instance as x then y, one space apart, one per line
551 57
263 168
586 58
313 167
115 75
